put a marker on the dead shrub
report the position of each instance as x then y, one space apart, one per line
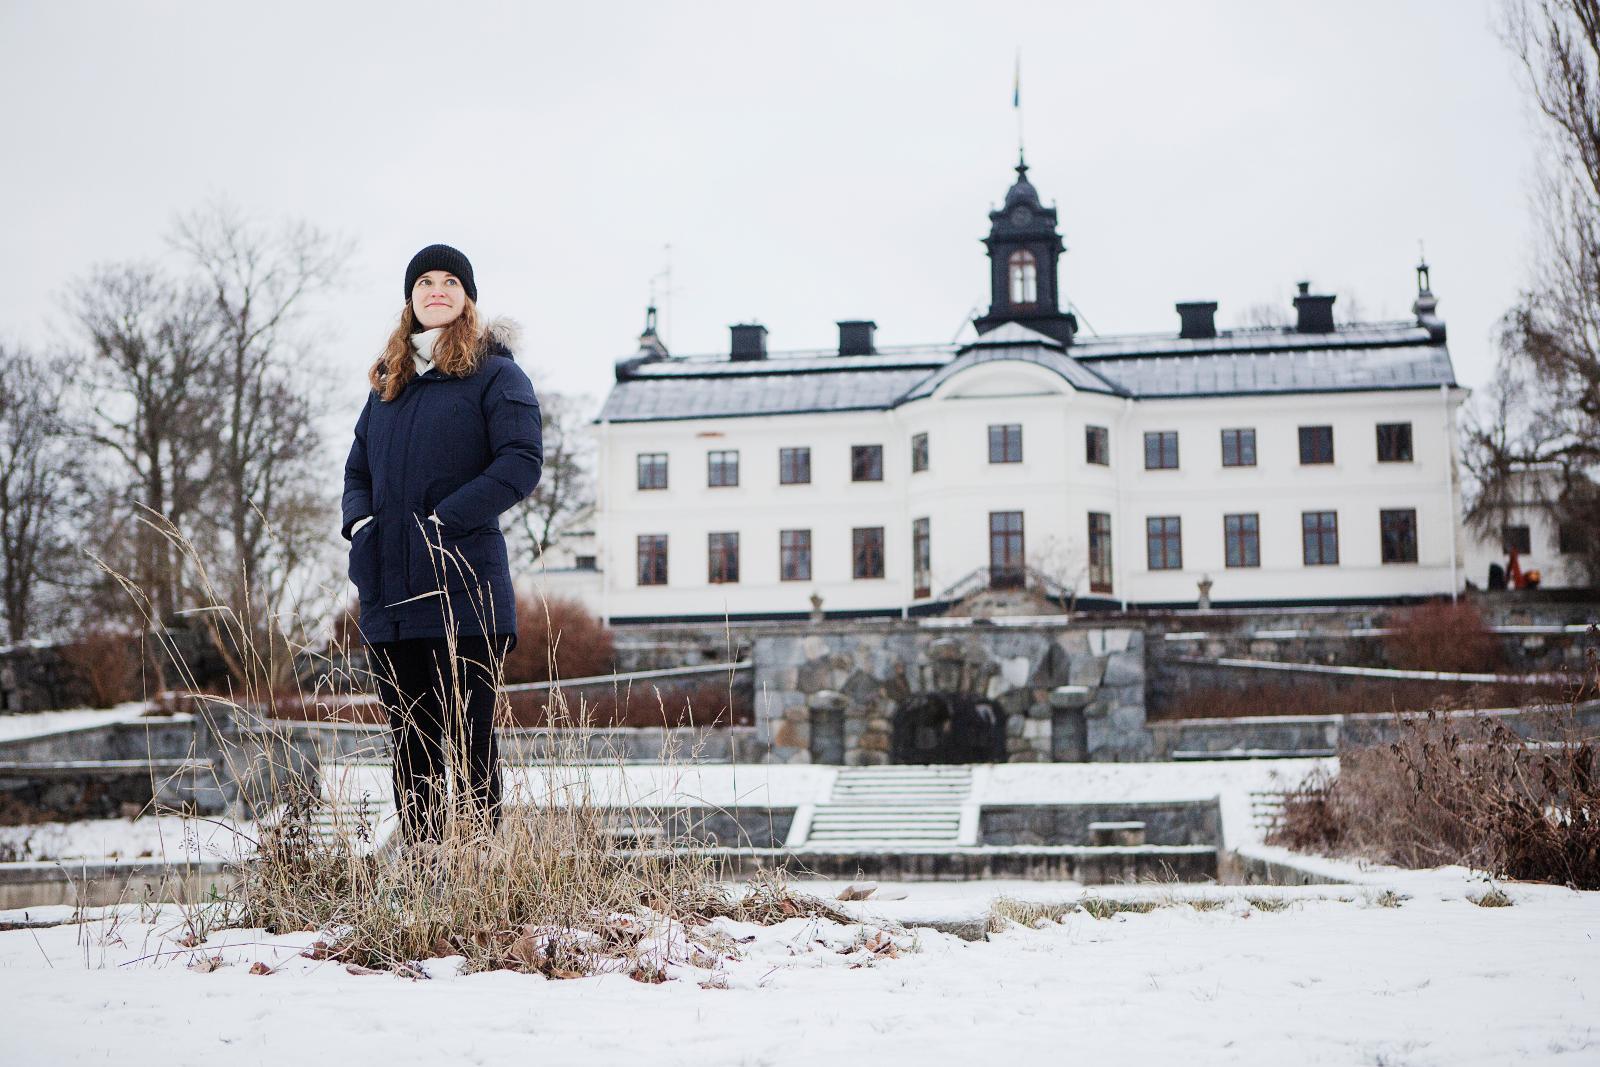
1441 636
558 638
347 626
107 662
1460 790
708 701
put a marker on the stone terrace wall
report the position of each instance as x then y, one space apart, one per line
1326 734
1345 636
807 680
1174 822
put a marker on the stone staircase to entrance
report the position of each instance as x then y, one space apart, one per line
893 805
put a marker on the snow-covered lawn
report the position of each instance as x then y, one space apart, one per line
173 838
1436 980
39 723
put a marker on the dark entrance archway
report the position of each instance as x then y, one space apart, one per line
948 728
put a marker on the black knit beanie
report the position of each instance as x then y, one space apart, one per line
441 257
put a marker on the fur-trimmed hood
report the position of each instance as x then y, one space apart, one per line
503 335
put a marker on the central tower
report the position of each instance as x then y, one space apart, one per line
1024 253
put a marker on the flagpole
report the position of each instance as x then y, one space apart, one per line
1016 101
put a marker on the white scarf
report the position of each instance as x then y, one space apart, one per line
422 348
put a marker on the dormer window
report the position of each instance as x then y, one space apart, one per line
1024 277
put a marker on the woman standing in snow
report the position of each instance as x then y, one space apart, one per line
449 439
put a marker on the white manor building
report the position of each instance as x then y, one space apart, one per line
1314 463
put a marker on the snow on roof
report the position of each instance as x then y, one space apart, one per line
1369 356
1079 376
1312 370
658 398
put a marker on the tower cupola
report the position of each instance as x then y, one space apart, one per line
1024 254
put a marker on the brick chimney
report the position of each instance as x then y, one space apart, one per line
855 337
1198 318
749 341
1314 313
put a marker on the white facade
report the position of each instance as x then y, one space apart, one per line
1530 520
567 569
1026 366
1054 486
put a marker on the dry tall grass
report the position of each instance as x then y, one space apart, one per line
555 887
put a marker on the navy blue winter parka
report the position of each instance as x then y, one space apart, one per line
465 449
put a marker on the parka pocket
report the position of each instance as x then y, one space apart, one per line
441 561
464 560
366 566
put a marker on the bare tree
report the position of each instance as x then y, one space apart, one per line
36 472
1544 410
267 450
1263 316
566 485
145 389
1057 569
1349 308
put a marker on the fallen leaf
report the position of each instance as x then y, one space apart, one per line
206 964
525 950
858 891
356 968
261 968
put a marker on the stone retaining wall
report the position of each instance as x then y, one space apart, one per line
743 826
829 692
174 737
1342 636
328 742
1191 822
1315 734
1086 866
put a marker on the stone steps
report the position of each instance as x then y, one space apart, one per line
892 805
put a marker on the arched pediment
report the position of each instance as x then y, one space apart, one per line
1002 378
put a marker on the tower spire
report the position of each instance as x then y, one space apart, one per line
1426 306
650 343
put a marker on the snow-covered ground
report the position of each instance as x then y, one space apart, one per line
1389 967
38 723
170 837
1436 980
722 785
790 785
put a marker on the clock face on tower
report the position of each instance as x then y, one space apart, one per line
1021 216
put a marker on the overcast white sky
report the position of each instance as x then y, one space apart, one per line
806 162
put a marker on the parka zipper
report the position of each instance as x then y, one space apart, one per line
411 518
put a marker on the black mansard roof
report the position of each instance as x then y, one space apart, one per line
1249 362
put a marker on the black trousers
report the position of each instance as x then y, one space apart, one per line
441 716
